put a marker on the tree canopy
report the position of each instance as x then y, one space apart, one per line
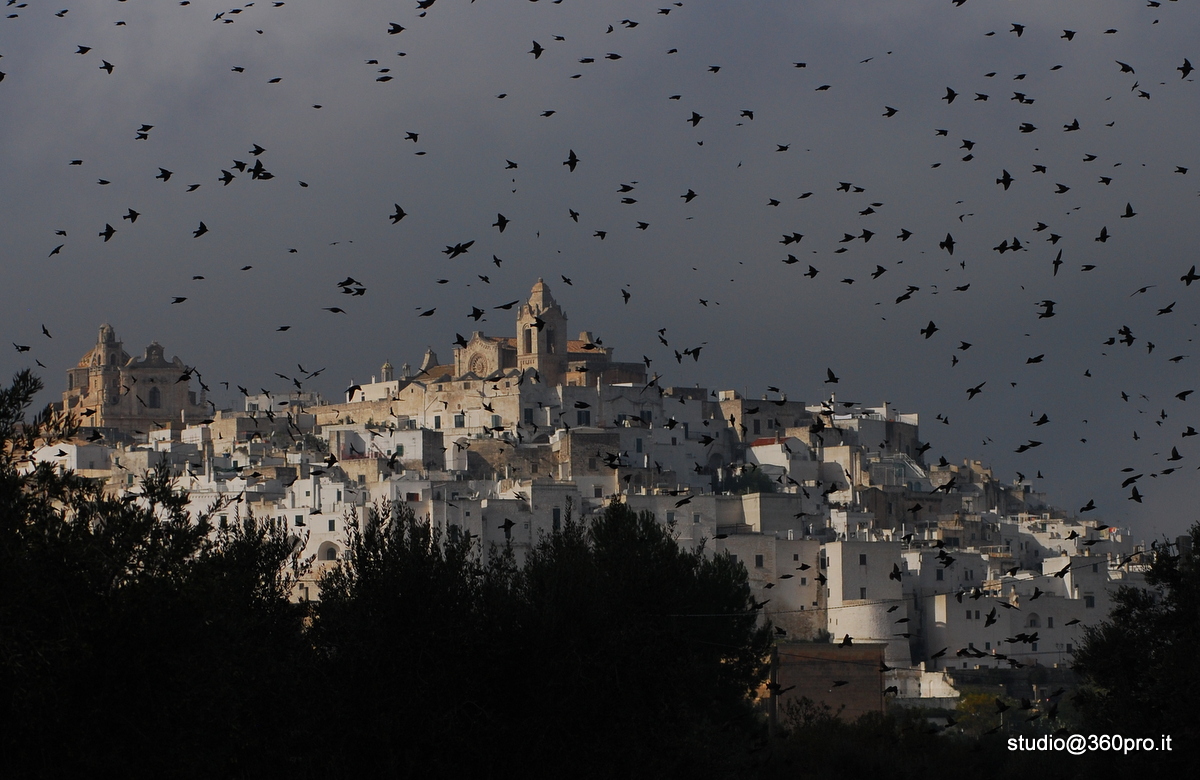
1135 667
141 639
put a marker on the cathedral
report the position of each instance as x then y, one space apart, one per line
541 345
108 388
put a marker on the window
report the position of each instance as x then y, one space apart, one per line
977 614
987 645
583 417
1069 647
466 385
732 557
362 479
637 445
1095 568
1089 602
597 491
507 532
1035 647
1049 622
332 524
695 517
497 422
862 593
804 581
758 561
968 614
556 518
437 422
460 421
940 574
796 557
529 415
862 559
757 425
224 521
154 400
591 464
331 553
673 442
528 341
399 451
647 417
299 520
339 495
670 517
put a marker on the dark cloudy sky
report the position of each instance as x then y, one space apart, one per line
766 323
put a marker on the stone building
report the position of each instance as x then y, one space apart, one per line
110 389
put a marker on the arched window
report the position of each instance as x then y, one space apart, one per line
155 399
528 341
112 360
331 554
550 340
1034 621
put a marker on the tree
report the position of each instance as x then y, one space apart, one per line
402 629
661 645
1136 667
610 651
132 635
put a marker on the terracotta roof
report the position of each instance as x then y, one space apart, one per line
577 346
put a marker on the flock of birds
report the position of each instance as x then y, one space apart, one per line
802 258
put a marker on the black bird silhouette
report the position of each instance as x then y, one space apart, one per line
832 378
537 50
164 174
501 222
200 230
1185 68
399 215
571 160
1006 180
107 233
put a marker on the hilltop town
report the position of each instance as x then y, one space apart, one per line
852 539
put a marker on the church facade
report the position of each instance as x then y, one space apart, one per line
109 388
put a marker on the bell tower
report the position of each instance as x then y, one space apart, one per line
542 335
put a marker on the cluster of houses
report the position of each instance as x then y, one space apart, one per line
849 535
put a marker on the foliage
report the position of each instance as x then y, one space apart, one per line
748 480
901 744
1135 667
130 633
609 634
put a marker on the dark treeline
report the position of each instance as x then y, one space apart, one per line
138 640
